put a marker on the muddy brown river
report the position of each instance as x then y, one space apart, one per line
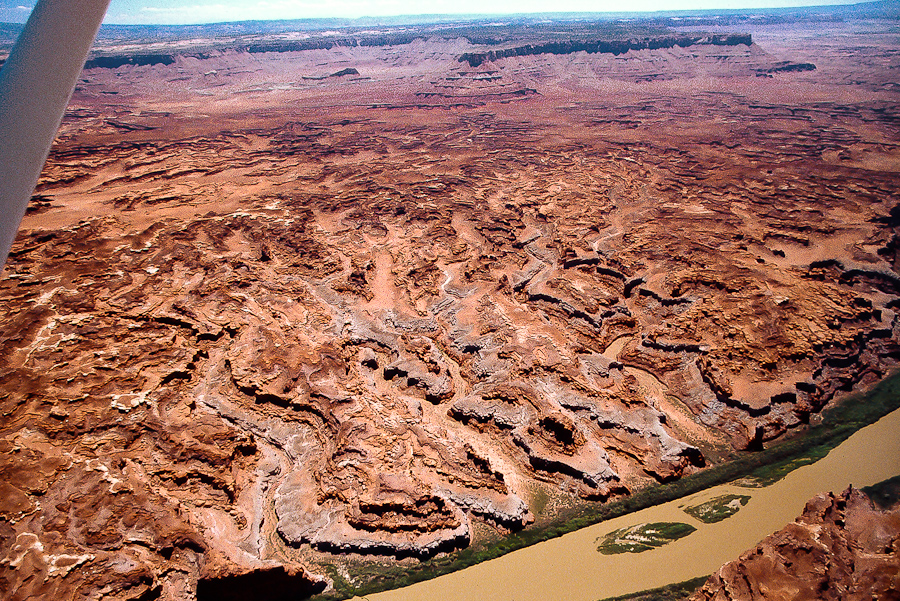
570 568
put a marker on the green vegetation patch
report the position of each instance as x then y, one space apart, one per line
770 474
885 494
539 501
643 537
716 510
673 592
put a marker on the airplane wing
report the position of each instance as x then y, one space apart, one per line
36 83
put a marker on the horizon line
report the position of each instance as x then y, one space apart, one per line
469 16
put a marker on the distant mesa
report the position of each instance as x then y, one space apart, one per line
475 59
615 47
785 67
116 61
343 72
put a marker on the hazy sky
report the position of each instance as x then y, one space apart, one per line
208 11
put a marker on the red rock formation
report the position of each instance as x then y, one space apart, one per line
259 315
841 548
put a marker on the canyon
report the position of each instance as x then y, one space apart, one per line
290 301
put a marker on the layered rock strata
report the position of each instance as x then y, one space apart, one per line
614 47
258 315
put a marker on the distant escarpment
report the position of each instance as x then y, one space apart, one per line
106 59
120 60
784 67
615 47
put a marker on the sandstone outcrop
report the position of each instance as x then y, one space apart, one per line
840 548
259 315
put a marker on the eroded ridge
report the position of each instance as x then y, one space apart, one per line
271 307
841 547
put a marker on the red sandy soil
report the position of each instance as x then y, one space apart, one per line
259 314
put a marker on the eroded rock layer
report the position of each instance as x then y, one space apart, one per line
267 307
840 548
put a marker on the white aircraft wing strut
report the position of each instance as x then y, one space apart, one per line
36 83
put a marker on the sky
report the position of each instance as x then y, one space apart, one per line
213 11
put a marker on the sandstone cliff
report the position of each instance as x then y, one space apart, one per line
841 548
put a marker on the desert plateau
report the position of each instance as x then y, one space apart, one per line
295 303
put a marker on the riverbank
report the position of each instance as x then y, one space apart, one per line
839 423
672 592
884 494
571 568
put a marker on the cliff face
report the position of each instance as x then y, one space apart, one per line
258 315
111 60
841 548
614 47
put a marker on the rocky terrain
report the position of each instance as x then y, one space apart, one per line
272 308
840 548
